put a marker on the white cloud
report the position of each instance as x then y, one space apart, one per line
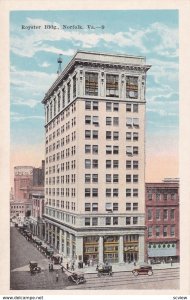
26 102
45 64
16 117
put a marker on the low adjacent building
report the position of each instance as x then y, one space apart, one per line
162 221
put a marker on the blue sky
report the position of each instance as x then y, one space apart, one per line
33 67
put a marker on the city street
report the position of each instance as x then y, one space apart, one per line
23 251
162 279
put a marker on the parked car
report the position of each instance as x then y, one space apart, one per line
33 265
143 270
104 270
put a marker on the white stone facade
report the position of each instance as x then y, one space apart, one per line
95 158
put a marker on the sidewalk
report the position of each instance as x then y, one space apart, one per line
125 267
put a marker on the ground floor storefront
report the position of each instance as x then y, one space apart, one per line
163 252
99 246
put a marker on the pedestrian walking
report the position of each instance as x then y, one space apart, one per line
73 267
67 266
62 269
171 261
57 277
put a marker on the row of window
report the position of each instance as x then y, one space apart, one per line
61 179
61 216
111 206
93 221
161 213
165 230
93 192
160 197
61 203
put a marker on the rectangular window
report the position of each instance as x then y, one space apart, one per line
69 92
87 178
135 164
108 149
115 220
115 178
87 206
165 214
132 87
112 85
87 163
95 134
129 122
108 135
165 197
108 178
172 230
135 206
165 230
108 106
95 105
108 220
94 149
135 220
157 214
108 206
115 206
128 177
87 221
91 84
135 136
135 108
95 163
128 136
135 150
108 121
149 214
135 178
95 120
172 214
157 230
115 164
115 192
87 148
115 121
115 106
135 122
88 105
94 192
128 164
129 150
157 197
115 149
149 231
128 192
128 220
87 192
94 221
87 119
108 192
74 86
95 178
115 135
128 206
128 107
94 206
108 164
87 134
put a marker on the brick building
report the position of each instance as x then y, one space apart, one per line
162 221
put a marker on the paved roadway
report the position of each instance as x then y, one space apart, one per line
161 279
23 251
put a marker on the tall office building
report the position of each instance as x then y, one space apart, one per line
95 158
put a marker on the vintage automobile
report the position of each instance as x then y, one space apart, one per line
104 269
77 278
56 259
33 265
143 270
49 252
